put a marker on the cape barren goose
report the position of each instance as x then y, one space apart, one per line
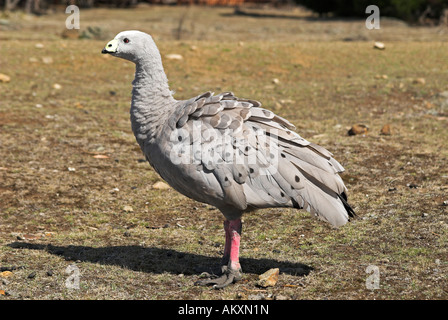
226 151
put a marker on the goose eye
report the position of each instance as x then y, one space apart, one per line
126 40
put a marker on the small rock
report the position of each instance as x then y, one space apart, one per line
4 78
71 169
114 190
258 296
128 209
358 129
275 81
39 45
32 275
379 45
47 60
20 237
269 278
278 105
421 81
286 101
50 273
385 130
31 236
241 296
443 94
100 156
57 86
174 56
445 203
5 274
160 186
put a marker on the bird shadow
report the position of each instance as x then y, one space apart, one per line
159 260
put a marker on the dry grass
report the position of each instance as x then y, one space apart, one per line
52 217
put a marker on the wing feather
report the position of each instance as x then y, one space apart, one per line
258 160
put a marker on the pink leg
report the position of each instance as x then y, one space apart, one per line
231 267
234 231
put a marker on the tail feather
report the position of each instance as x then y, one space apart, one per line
350 211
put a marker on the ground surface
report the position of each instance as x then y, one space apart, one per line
75 190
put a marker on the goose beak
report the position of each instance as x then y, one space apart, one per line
111 47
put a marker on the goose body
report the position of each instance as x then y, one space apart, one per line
227 151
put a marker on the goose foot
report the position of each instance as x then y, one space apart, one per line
228 276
